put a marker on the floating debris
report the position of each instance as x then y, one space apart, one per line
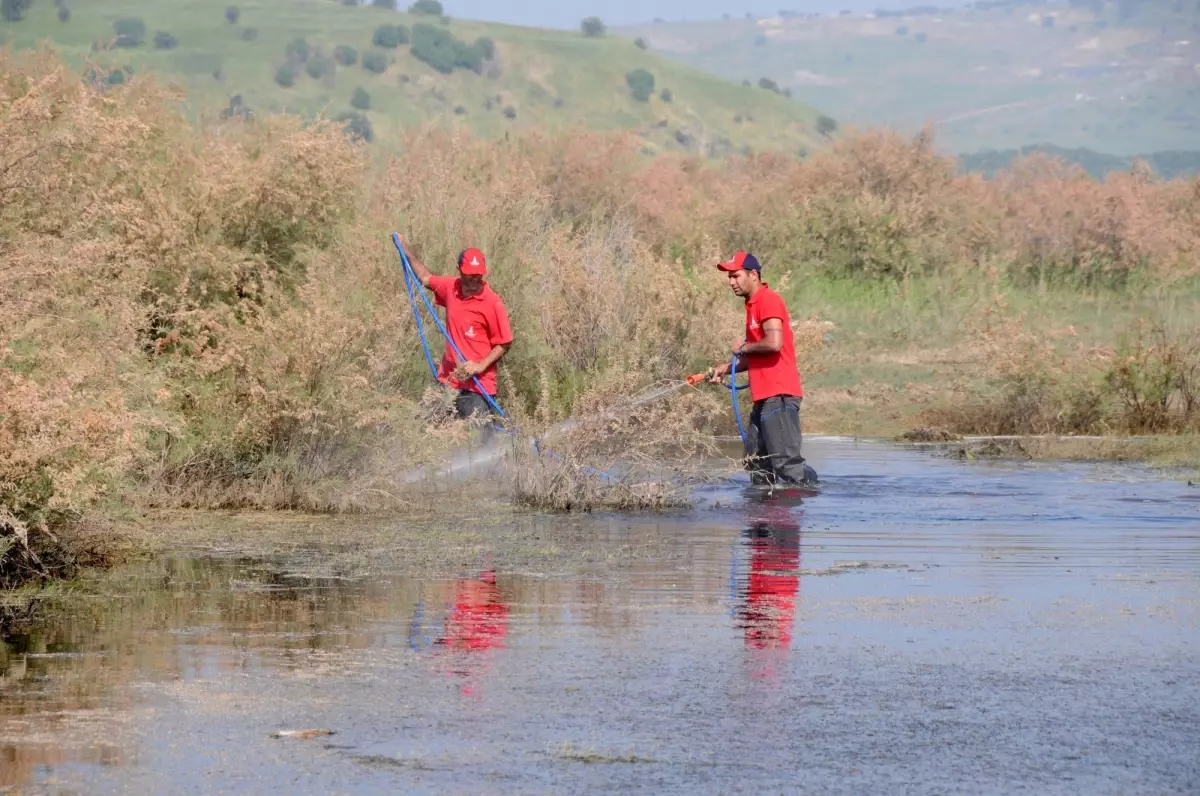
303 735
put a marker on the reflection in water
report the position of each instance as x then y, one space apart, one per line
767 599
477 623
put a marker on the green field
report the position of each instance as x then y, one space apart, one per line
1112 80
551 81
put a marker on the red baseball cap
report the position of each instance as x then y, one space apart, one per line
471 261
742 261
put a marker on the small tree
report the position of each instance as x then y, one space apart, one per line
297 50
666 96
390 36
487 47
345 55
826 125
429 8
131 31
14 10
509 112
768 84
361 99
641 84
437 47
165 41
641 43
318 67
233 14
357 126
64 14
285 76
593 27
375 61
249 34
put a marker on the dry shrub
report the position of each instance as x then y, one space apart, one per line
1031 383
878 204
644 451
1155 376
1060 223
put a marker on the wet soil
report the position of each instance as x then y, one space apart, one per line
920 625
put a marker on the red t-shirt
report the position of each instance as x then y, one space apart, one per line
476 325
770 374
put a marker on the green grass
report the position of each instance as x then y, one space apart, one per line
987 79
554 81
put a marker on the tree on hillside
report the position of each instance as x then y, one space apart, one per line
357 126
64 14
641 84
131 31
345 55
768 84
285 76
826 125
361 99
14 10
391 36
593 27
430 8
641 43
297 50
387 5
233 13
375 61
165 41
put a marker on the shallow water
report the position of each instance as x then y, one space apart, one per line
921 625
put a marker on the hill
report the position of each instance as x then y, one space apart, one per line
1120 77
525 78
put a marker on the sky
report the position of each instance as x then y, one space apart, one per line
568 13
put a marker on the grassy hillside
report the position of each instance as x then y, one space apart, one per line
548 80
1120 78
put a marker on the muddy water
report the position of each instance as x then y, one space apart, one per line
922 625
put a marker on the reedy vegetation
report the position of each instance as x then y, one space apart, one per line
215 317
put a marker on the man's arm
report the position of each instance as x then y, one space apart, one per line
469 369
423 273
772 340
771 343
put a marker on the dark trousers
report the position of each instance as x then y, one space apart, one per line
773 443
471 405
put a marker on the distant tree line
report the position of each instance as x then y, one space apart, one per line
1167 164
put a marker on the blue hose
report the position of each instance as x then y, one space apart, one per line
733 392
412 286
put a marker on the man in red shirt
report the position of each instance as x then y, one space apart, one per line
478 323
768 355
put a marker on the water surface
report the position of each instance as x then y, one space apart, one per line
921 625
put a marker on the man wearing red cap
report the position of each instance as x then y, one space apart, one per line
767 354
477 322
